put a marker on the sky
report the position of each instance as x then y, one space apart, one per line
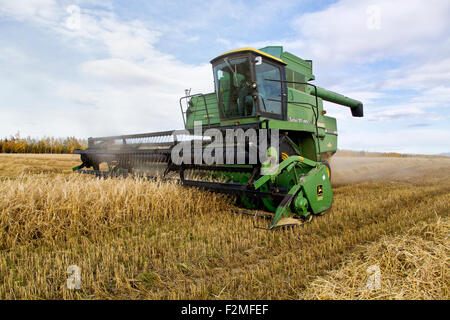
95 68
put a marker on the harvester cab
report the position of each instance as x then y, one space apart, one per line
262 97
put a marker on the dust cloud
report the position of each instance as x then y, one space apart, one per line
349 170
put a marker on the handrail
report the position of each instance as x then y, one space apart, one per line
192 96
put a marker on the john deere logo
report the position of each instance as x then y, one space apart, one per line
320 192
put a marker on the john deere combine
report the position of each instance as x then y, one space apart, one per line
263 104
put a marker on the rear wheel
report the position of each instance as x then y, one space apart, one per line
328 168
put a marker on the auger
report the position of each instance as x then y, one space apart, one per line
262 136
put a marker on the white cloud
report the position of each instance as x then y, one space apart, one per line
439 95
340 33
401 113
432 73
42 11
135 88
193 39
124 73
412 34
223 41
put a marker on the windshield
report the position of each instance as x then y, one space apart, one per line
233 86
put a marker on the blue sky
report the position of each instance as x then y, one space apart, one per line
89 68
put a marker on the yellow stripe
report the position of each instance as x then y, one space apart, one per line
254 50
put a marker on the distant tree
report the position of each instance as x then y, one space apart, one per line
16 144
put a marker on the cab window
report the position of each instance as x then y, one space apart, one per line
233 86
269 92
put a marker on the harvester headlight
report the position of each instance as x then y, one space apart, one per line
254 85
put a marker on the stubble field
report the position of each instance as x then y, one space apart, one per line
136 239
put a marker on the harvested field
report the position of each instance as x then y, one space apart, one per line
137 239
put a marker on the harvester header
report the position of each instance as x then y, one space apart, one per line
264 101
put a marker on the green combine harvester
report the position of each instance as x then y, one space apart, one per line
265 90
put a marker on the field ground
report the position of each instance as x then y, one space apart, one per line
148 240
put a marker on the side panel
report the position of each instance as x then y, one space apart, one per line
317 189
300 106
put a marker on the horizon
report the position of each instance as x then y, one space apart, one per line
338 150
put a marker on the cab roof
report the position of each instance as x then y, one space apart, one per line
249 49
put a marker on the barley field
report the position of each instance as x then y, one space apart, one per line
136 239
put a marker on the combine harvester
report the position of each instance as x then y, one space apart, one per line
263 91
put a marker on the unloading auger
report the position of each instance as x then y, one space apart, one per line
263 104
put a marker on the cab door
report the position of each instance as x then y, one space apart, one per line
271 89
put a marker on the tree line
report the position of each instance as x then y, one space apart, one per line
17 144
